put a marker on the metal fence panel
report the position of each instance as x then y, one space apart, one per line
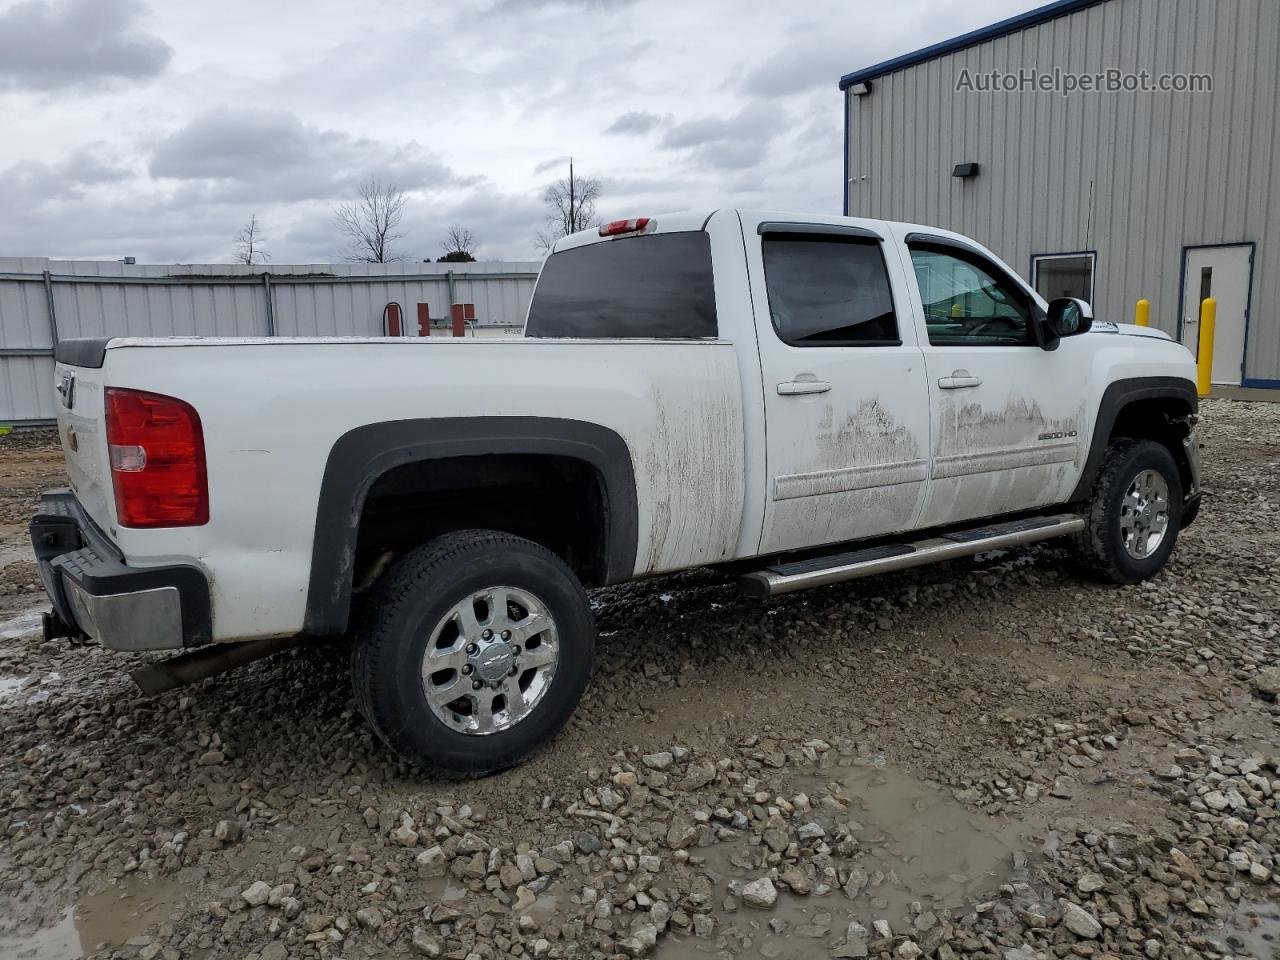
26 389
112 299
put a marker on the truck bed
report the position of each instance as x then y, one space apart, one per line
272 409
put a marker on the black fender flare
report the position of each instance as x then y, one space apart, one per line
361 455
1115 398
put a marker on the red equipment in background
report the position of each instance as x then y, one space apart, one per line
460 314
391 326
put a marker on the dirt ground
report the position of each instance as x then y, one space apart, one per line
989 759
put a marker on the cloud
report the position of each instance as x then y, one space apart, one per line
523 6
731 142
552 163
250 152
32 182
800 68
504 223
635 122
56 44
89 206
283 122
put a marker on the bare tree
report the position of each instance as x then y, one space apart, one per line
458 246
571 206
249 248
371 223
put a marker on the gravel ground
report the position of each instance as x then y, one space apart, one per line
987 759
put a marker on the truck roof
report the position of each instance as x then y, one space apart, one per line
684 220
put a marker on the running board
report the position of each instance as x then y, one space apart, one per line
834 568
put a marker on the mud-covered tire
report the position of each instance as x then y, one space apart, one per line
1100 551
389 668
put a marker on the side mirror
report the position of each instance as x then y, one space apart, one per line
1068 317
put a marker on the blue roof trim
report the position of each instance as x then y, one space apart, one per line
1021 21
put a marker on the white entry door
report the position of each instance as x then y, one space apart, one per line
1225 274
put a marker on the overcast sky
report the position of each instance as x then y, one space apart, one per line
156 129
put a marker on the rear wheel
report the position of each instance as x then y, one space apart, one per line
1134 514
475 650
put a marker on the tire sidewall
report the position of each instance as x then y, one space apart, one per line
1143 456
433 597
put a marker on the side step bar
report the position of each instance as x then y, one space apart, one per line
819 571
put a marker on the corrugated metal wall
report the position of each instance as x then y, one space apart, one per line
1134 176
92 299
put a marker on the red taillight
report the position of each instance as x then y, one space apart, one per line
156 448
615 227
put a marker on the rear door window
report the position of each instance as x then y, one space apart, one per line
828 292
652 286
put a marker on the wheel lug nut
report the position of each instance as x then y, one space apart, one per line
514 669
476 685
472 648
516 651
506 634
486 635
466 669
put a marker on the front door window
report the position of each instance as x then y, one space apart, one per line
967 304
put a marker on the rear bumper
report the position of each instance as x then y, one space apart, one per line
98 595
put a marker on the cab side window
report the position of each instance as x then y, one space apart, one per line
968 302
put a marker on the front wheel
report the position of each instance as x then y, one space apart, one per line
1134 514
475 650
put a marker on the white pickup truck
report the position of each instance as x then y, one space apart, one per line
792 400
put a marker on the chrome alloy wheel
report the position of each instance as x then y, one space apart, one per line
489 660
1144 514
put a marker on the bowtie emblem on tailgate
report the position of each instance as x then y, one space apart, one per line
67 389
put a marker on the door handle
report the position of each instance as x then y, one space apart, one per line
959 380
796 388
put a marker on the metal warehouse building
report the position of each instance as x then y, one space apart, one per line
1168 190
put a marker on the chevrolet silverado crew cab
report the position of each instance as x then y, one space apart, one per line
793 401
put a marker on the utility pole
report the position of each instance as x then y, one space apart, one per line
573 223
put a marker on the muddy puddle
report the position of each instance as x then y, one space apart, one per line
921 855
112 917
24 624
1254 930
14 553
9 686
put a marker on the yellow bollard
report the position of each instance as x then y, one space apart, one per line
1204 363
957 310
1142 313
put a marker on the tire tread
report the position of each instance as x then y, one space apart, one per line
1096 548
376 643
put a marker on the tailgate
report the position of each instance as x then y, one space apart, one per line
79 405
